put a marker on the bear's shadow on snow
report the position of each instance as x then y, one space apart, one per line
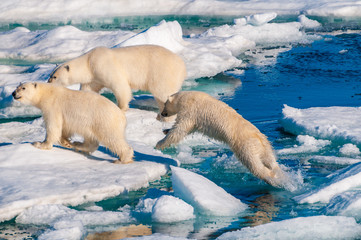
137 156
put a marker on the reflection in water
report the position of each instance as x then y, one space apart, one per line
123 232
265 210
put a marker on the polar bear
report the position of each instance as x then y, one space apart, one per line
67 112
198 111
144 67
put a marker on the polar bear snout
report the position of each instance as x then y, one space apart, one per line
164 114
15 94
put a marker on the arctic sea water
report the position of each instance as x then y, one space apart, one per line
296 77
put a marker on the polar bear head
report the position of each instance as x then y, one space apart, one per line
175 103
60 75
26 93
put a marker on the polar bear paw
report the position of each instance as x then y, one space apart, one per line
42 145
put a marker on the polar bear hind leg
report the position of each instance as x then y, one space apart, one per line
95 87
123 150
259 161
123 96
88 146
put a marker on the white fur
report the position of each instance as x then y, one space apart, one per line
67 112
197 111
145 67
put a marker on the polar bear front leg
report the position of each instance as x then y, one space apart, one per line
53 133
179 131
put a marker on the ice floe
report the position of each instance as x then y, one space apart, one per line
69 223
206 54
66 10
31 177
204 195
339 182
340 124
307 144
316 227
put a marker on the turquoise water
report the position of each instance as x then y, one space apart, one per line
320 74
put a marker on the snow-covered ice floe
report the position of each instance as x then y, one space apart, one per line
203 194
30 176
316 227
338 124
193 194
206 54
68 223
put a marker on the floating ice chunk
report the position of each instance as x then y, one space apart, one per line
334 123
316 227
204 195
308 23
260 19
69 223
307 144
343 51
346 204
256 19
157 236
335 160
51 214
338 182
169 209
349 150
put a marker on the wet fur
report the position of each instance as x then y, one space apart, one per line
197 111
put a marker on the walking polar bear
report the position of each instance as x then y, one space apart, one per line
66 112
145 67
197 111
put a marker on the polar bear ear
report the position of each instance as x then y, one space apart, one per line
67 67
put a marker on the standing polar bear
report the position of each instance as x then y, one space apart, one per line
66 112
145 67
197 111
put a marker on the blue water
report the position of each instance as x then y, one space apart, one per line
324 73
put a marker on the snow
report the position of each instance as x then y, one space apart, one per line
171 209
339 182
335 160
349 150
30 176
69 223
204 195
316 227
205 54
308 23
67 10
339 124
307 144
162 207
156 236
